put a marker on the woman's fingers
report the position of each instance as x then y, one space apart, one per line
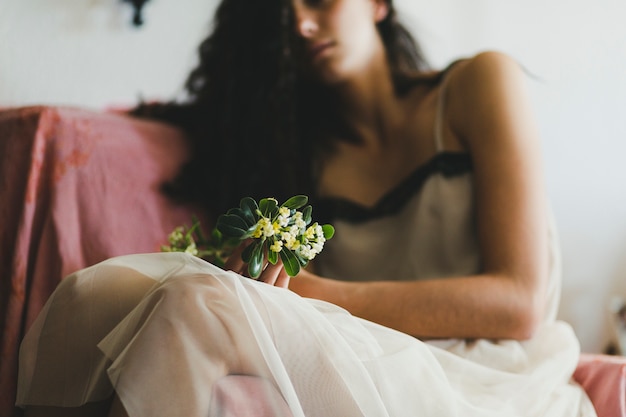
234 262
271 274
283 279
275 275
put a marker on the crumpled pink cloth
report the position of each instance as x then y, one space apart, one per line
604 380
76 187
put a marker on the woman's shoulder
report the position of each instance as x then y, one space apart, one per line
480 64
471 78
482 70
479 84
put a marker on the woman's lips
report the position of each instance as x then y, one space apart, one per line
320 48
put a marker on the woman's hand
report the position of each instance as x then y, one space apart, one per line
271 274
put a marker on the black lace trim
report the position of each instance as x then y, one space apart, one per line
449 164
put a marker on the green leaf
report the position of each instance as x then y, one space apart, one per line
217 237
295 202
231 220
232 225
246 255
306 214
268 207
329 231
249 207
231 231
248 204
201 237
303 262
256 261
272 257
191 231
290 262
245 215
218 262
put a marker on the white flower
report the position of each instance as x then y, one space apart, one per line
305 251
283 221
176 236
191 249
284 215
277 246
263 228
258 231
268 228
290 239
299 222
317 247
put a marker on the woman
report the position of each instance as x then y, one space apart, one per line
425 175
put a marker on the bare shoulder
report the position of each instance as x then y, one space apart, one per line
484 73
485 89
489 62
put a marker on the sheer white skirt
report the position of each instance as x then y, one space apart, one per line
159 329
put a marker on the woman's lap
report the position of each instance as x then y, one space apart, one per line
195 323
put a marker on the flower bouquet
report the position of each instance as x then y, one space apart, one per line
276 232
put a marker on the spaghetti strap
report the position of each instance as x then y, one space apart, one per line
441 104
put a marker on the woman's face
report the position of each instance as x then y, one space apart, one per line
340 35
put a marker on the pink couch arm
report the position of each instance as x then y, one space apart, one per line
76 187
604 379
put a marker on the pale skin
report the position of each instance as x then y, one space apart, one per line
488 114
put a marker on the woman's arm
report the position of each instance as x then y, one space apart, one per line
488 110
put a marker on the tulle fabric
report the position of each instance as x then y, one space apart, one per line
160 329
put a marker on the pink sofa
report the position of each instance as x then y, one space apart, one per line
78 186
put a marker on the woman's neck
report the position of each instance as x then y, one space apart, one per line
369 105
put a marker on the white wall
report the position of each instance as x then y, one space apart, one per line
85 53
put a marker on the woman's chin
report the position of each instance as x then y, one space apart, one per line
330 75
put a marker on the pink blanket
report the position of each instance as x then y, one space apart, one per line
77 187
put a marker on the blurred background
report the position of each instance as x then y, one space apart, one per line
87 53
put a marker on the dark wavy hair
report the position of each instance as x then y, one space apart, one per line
255 123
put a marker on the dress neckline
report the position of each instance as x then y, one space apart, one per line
447 163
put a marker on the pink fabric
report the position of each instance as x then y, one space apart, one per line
247 396
604 379
76 187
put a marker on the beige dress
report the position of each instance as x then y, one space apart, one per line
160 329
